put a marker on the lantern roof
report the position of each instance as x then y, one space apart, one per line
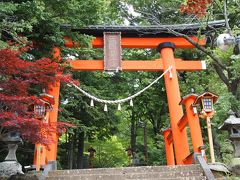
183 100
11 137
47 98
168 129
91 149
231 121
206 94
147 31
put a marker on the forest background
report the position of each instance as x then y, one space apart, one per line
111 133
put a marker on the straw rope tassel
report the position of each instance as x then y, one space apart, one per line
131 102
119 107
92 103
105 108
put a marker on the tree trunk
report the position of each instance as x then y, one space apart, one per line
145 141
133 132
70 151
156 125
74 149
217 146
80 150
156 132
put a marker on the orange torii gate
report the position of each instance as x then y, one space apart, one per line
176 140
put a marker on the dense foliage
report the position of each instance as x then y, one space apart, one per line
19 80
33 28
196 7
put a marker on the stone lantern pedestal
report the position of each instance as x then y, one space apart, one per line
232 125
10 166
236 160
236 165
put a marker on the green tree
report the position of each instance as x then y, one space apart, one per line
222 75
36 24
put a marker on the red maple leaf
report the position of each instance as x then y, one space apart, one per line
17 78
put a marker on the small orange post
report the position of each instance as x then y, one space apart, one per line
180 140
54 90
40 150
168 147
39 156
193 122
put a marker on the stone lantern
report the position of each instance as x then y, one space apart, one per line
11 166
92 152
232 125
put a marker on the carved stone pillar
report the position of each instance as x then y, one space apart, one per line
12 148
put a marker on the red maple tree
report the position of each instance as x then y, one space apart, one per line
196 7
18 78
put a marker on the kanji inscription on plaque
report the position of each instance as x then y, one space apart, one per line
112 51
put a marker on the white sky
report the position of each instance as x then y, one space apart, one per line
132 12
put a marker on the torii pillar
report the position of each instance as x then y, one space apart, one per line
180 140
54 90
49 155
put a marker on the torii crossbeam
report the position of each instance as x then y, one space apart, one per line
138 65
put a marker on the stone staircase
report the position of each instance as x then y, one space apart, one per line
183 172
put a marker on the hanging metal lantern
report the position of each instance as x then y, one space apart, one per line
225 40
40 111
237 46
206 100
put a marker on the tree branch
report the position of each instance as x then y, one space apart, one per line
222 76
1 130
215 59
226 17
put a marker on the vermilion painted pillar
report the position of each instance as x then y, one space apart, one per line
193 122
39 156
40 150
168 147
180 141
54 90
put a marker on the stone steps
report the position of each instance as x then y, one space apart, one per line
138 175
122 177
131 173
129 169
